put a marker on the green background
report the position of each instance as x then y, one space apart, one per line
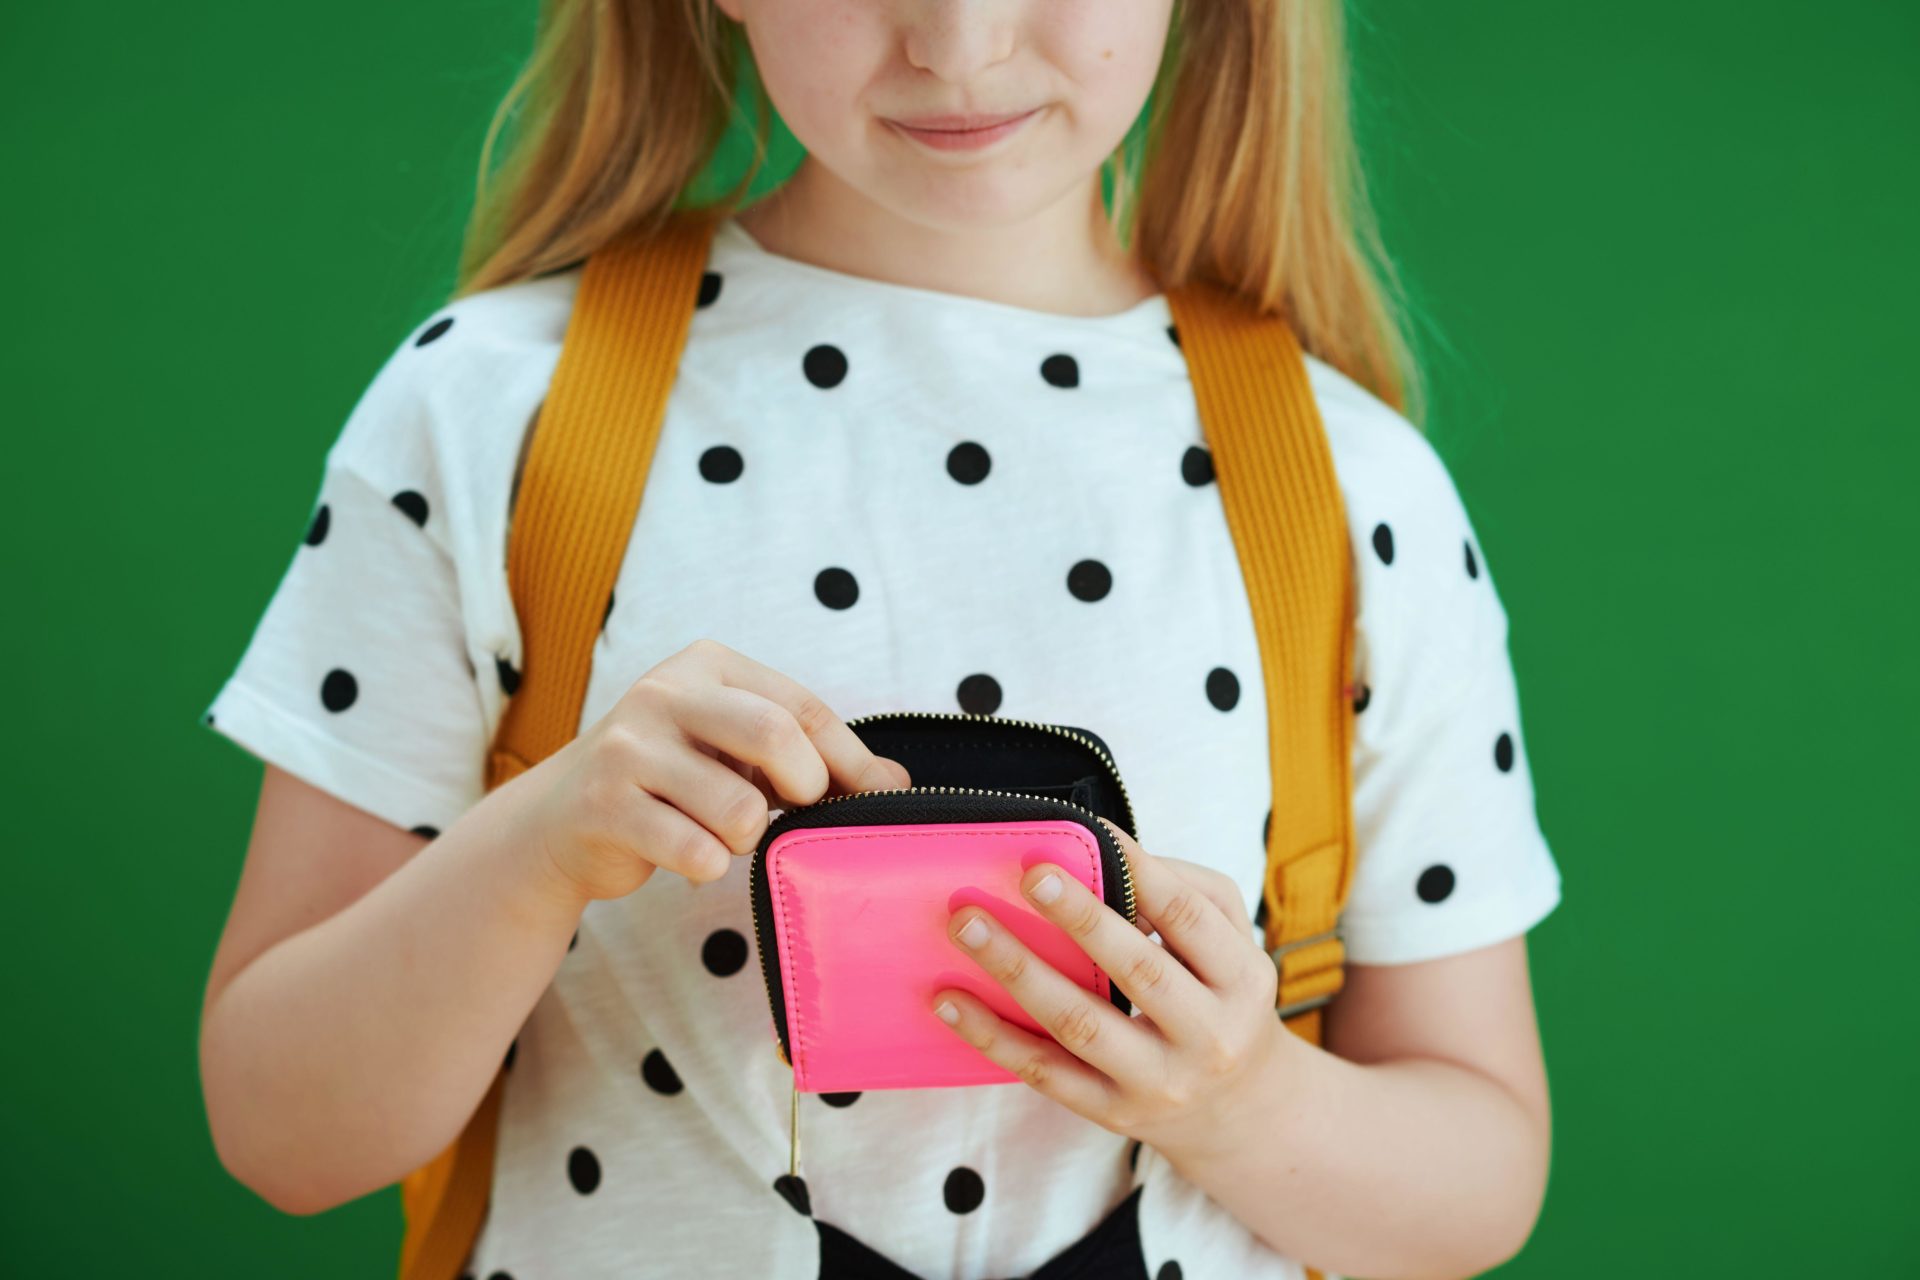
1665 259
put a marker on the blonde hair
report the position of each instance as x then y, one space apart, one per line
1243 171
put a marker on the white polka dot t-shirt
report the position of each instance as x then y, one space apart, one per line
906 500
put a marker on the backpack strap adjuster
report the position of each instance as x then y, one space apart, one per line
1301 1006
1278 955
1278 952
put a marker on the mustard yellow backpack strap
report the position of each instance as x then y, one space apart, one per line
586 470
573 515
1283 507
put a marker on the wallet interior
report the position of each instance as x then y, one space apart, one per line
1001 755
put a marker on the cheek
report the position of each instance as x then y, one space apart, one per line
815 58
1109 50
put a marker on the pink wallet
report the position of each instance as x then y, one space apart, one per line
851 895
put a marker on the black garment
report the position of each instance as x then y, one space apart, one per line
1111 1251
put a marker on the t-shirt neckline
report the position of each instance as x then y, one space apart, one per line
1150 313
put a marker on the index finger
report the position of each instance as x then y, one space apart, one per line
1189 922
1220 890
851 765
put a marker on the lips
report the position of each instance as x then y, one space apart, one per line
960 123
962 132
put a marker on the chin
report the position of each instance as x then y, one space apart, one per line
961 202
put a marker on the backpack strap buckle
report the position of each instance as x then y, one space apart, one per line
1280 952
1296 943
1301 1006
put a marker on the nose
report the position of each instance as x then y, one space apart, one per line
958 39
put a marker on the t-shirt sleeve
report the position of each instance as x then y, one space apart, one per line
1450 855
359 677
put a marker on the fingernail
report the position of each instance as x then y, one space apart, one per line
1046 888
948 1014
973 933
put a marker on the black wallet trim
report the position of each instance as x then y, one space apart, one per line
959 756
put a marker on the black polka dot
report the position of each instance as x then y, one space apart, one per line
574 941
1169 1270
609 612
1133 1154
1383 543
583 1170
429 832
209 717
1435 883
512 1049
835 588
979 695
414 504
338 690
1503 752
1173 334
722 464
1473 566
659 1073
509 678
1223 689
1089 580
1196 466
825 366
964 1190
1061 371
724 951
1266 830
434 330
317 531
501 1275
840 1099
709 289
1362 698
793 1190
968 462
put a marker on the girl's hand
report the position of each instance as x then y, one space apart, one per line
684 770
1206 998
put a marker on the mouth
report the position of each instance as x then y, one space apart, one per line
962 132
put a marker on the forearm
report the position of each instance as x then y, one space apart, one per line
355 1050
1401 1170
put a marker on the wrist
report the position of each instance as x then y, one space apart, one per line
518 850
1242 1115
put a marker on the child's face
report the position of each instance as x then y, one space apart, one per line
852 78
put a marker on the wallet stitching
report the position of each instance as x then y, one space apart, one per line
1088 845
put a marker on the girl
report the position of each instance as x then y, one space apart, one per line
932 445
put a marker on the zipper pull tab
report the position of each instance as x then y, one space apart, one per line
793 1121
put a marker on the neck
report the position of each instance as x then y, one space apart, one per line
1064 259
